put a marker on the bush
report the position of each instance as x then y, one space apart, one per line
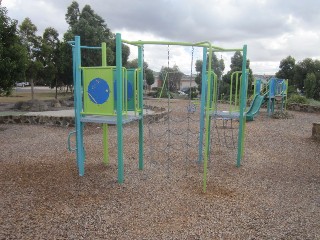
292 90
295 98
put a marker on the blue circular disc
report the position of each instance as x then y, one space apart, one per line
129 90
98 91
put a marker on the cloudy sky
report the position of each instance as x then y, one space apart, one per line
272 29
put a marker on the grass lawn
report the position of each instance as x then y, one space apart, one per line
40 95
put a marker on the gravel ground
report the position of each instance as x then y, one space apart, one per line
275 194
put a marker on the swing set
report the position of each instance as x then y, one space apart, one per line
113 95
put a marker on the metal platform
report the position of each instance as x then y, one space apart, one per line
111 120
226 114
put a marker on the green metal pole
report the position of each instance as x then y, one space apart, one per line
242 108
230 99
140 87
119 107
207 137
104 125
198 44
236 92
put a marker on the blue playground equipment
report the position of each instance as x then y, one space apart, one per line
113 95
109 95
274 91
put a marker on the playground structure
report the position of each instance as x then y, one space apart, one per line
275 91
112 95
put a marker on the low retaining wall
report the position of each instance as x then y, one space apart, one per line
63 121
303 108
42 120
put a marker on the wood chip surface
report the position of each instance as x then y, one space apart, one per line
275 194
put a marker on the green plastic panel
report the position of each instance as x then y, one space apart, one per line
91 106
130 91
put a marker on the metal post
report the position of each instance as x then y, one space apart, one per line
207 122
203 102
140 97
104 125
242 117
78 107
119 106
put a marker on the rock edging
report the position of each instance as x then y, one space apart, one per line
303 108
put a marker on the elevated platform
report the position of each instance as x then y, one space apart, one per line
111 120
225 114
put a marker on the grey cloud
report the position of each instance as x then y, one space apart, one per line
262 24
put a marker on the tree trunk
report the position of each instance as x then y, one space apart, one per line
56 96
32 89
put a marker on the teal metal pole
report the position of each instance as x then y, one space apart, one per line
78 106
119 106
242 107
203 102
140 86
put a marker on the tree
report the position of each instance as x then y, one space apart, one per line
93 31
149 76
50 50
171 77
147 72
198 78
307 77
134 64
65 67
301 70
32 44
310 85
217 67
286 68
236 65
13 56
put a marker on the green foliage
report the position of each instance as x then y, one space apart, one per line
50 49
12 54
301 70
198 80
171 77
236 65
148 72
291 90
65 72
192 92
310 85
162 93
93 31
296 98
149 76
287 68
217 66
307 76
313 102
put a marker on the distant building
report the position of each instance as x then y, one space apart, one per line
186 81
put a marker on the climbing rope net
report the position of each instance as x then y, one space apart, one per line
172 130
